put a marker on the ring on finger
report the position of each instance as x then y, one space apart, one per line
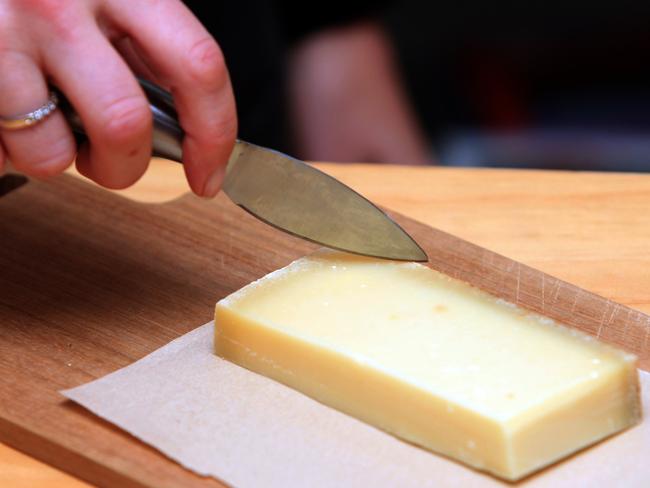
30 119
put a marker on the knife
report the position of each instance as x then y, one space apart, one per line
284 192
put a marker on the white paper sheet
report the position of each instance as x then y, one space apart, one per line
220 420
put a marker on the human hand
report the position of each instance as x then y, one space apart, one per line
90 49
348 102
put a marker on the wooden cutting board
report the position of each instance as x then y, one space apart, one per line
91 282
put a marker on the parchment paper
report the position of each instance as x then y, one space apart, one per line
220 420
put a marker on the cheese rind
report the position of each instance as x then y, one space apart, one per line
430 359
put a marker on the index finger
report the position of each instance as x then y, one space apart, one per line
191 63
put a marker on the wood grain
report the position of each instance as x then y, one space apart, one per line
113 280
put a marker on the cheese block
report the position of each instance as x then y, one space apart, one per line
430 359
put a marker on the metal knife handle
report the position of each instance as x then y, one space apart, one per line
167 133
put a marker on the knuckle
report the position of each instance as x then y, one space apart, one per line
47 163
61 15
225 131
217 134
205 63
12 60
48 9
126 118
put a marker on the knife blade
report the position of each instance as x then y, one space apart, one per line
284 192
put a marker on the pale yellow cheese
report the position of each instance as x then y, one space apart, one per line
431 360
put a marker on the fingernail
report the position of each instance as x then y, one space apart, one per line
213 183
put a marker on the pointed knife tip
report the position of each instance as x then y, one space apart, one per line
413 254
422 258
419 256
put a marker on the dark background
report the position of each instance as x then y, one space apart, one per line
545 84
549 84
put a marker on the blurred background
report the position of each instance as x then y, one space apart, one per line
552 84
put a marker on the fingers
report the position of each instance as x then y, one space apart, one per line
193 67
48 147
135 59
113 108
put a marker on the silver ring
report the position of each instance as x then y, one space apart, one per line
32 118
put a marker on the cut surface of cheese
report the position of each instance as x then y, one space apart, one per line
430 359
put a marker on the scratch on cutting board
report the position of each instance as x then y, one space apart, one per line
617 307
558 285
518 283
603 319
627 322
575 300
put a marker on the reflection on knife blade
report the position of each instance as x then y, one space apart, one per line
308 203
